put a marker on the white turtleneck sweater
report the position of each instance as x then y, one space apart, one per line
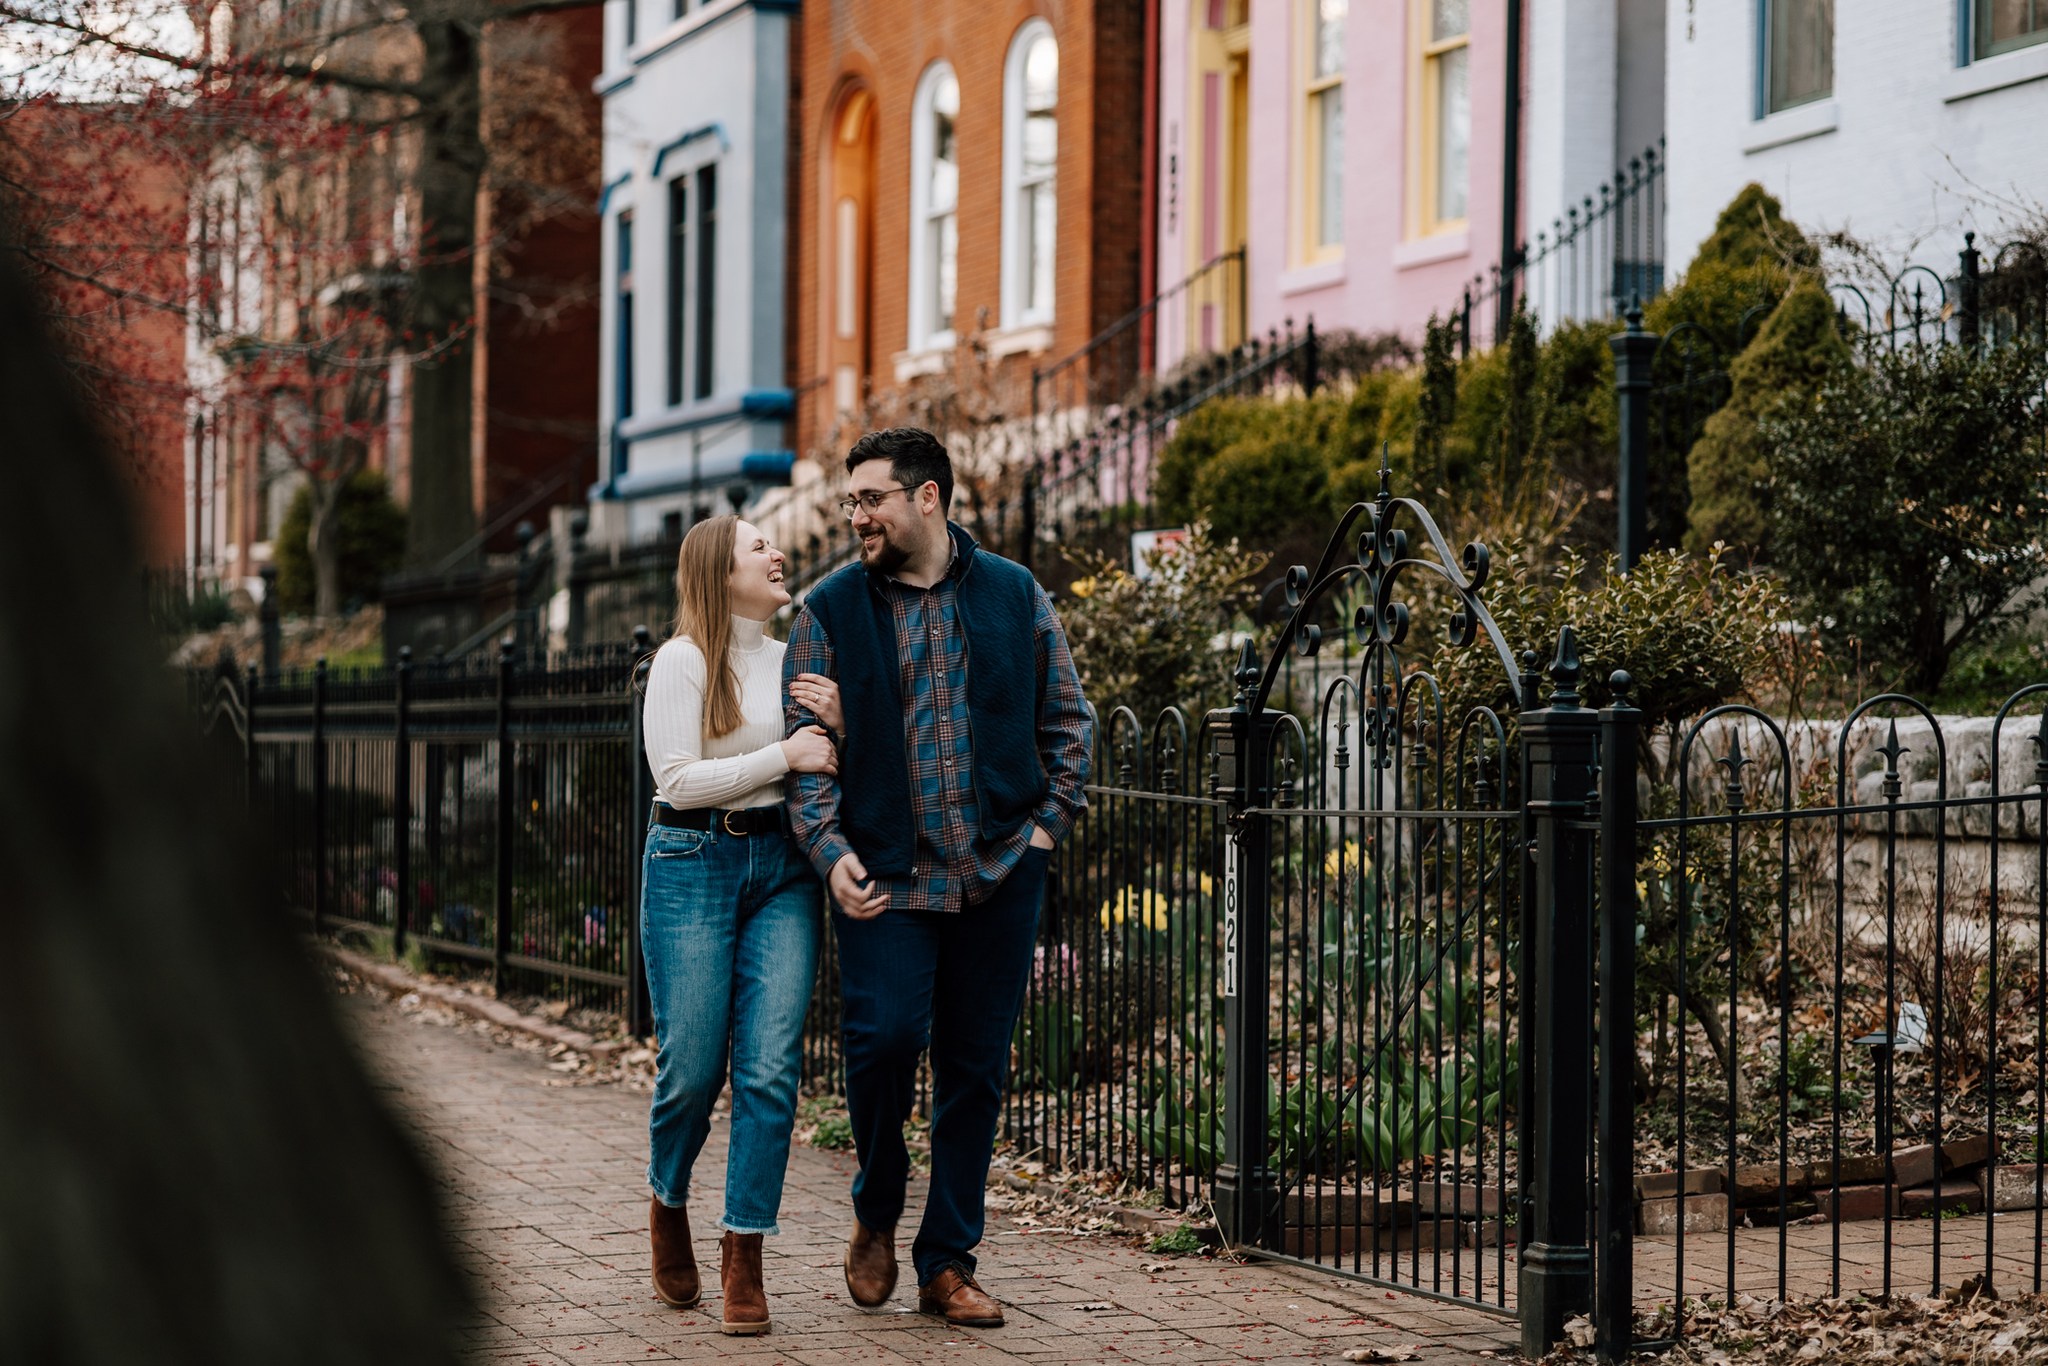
741 769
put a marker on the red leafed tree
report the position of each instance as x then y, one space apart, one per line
102 206
353 165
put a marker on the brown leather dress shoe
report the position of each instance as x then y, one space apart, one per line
870 1265
954 1297
739 1274
675 1265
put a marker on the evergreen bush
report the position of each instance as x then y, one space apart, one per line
1794 355
370 528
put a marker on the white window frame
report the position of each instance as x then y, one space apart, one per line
1016 260
921 263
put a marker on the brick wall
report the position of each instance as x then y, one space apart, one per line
886 45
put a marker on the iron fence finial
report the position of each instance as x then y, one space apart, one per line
1565 669
1246 674
1620 683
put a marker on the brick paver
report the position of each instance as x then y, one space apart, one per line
546 1192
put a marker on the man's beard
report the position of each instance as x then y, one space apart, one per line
887 557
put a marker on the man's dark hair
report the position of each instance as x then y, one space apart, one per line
914 455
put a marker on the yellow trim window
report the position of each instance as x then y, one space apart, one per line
1446 113
1323 129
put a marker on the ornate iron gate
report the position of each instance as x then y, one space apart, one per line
1374 932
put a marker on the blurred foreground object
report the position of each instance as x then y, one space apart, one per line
193 1165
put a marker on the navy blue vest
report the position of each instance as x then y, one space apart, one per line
997 603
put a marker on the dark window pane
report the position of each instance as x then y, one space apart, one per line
678 291
1802 52
2004 25
707 274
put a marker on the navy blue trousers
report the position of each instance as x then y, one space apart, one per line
953 982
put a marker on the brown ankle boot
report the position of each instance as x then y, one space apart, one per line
675 1265
739 1272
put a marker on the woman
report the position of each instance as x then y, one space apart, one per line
729 907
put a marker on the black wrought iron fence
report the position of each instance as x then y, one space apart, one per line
1844 920
488 812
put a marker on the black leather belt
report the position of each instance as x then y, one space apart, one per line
749 820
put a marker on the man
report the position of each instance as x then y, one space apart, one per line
966 746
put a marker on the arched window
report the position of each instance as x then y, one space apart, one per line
1031 139
934 207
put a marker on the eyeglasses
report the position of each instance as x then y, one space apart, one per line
872 499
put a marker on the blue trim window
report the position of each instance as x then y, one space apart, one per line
1999 26
1795 53
707 275
678 264
622 370
691 301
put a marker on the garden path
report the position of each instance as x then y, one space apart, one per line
545 1193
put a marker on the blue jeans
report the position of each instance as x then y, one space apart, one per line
954 981
729 933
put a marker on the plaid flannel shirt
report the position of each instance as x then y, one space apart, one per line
951 866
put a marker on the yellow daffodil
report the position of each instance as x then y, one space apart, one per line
1083 588
1642 891
1206 883
1345 860
1148 908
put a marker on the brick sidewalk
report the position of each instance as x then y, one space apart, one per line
547 1193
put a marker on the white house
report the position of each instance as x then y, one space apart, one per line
1901 122
696 134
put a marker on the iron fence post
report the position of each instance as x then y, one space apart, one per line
250 761
1613 1322
1556 1273
1247 1192
501 938
1634 350
401 802
639 1011
319 793
1028 514
267 621
1311 360
1967 302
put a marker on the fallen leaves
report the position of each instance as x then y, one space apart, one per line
1382 1353
1964 1327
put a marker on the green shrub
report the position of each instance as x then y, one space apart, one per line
1259 488
1908 502
1163 640
370 528
1796 353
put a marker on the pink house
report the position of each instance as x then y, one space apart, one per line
1356 152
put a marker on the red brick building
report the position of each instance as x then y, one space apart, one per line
965 168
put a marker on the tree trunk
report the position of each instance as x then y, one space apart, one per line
323 546
442 308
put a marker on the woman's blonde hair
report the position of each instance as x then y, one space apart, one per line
704 615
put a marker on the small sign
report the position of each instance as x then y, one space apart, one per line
1230 954
1149 545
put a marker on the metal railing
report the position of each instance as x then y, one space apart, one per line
1589 264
